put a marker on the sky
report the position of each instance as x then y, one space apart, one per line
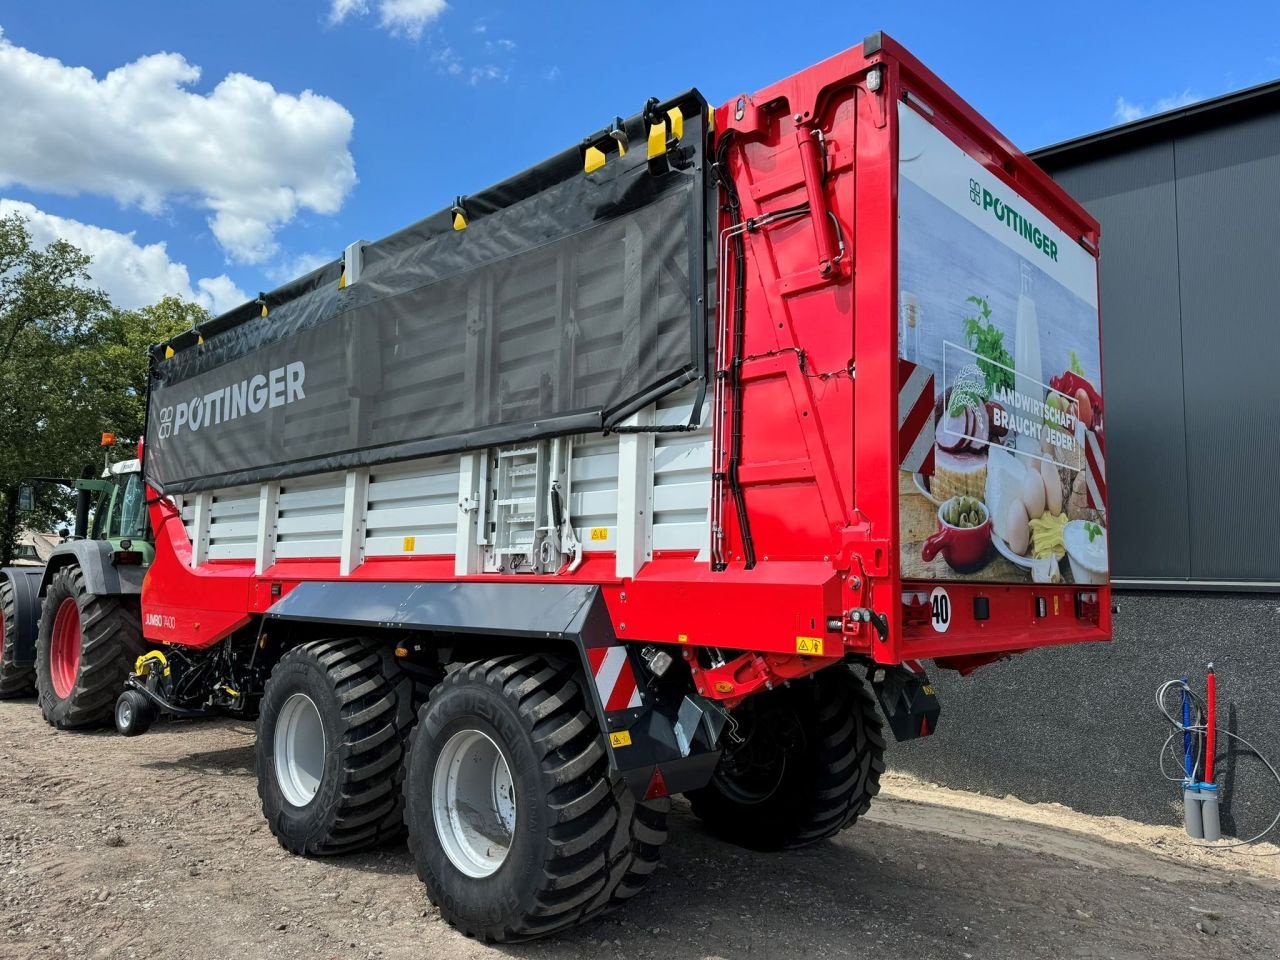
214 150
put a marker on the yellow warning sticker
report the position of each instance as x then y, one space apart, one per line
683 637
409 544
809 646
620 739
599 533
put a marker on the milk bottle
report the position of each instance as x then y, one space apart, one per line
1026 360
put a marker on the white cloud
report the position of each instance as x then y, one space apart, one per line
407 17
250 155
489 71
339 10
1127 112
295 267
132 275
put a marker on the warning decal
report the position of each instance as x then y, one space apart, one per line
809 646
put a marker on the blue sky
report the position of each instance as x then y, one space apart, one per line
213 173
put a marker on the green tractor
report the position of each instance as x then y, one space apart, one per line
71 629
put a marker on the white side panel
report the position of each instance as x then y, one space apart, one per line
268 511
413 508
309 520
187 505
233 524
200 528
635 495
593 492
682 478
355 508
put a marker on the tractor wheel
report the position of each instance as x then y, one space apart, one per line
807 766
515 824
86 648
331 732
15 681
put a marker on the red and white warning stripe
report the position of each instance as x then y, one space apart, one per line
1096 478
915 417
615 680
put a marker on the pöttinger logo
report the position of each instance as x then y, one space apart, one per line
975 192
166 422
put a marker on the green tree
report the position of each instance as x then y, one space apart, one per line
72 367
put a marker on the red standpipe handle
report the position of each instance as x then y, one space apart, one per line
1211 720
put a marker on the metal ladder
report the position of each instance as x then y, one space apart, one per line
529 530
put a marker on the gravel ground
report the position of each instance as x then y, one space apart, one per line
155 848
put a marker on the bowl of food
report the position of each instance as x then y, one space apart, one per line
963 537
1086 544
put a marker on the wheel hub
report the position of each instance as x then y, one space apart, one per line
299 750
64 652
124 713
473 803
752 771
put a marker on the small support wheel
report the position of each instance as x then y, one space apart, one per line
134 713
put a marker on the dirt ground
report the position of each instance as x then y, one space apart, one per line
155 848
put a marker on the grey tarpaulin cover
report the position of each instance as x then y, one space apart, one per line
569 300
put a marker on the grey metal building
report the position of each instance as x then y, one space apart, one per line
1189 203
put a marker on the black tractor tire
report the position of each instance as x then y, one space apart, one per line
809 765
110 644
364 703
580 843
15 681
134 713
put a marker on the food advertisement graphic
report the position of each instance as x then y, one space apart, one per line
1001 417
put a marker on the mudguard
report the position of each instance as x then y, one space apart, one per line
101 577
26 600
660 738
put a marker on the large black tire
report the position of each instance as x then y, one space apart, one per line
809 765
110 644
365 707
15 681
580 844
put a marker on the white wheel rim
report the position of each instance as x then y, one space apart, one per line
124 713
474 804
299 750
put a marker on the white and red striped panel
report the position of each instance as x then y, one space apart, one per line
915 417
615 680
1096 478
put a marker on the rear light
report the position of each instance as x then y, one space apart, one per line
127 558
915 609
1087 606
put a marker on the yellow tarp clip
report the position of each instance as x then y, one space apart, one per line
676 116
593 159
459 212
657 139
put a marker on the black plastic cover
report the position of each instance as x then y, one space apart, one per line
569 300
